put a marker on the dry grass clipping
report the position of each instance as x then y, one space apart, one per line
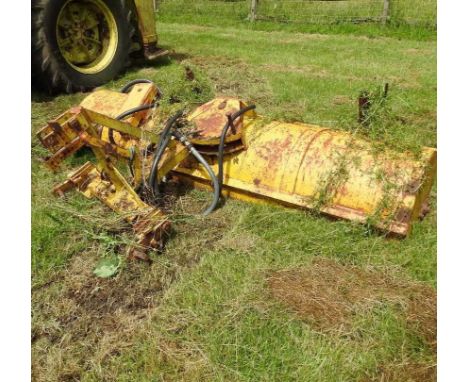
406 372
329 295
83 320
80 322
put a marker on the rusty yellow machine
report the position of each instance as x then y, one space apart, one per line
225 146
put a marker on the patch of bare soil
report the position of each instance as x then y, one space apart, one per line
406 372
329 295
84 319
102 297
79 321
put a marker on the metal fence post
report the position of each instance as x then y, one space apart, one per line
386 10
253 10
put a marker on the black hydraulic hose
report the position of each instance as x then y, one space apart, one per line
126 114
216 194
153 178
163 142
131 160
128 86
229 123
134 110
137 109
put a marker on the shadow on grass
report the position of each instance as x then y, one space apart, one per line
39 94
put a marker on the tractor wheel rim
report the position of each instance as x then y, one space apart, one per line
87 35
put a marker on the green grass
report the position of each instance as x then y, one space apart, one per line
409 20
212 317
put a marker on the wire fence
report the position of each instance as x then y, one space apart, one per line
319 11
417 12
332 11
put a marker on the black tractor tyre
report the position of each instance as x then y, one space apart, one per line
51 71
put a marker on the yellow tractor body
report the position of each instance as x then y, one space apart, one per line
81 44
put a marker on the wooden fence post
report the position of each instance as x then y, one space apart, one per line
253 10
386 10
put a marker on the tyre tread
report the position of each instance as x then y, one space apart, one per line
47 72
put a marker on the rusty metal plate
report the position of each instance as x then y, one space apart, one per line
210 118
331 171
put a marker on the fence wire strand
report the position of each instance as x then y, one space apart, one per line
422 12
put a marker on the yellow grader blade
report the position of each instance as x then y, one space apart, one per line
313 167
292 164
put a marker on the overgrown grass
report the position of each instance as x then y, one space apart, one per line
202 311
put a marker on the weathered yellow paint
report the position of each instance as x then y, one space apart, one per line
211 117
312 167
147 21
81 43
111 104
293 164
78 127
174 154
151 226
